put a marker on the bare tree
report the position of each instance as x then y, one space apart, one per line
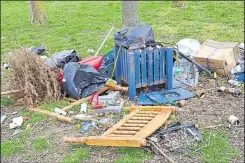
36 12
178 4
129 13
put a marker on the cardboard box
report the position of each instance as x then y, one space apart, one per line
219 57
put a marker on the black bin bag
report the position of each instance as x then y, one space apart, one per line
139 35
63 57
80 80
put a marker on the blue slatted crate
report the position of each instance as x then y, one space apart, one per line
142 68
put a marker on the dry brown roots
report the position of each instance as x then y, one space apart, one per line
37 80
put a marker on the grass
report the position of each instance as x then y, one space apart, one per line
11 147
40 143
20 144
6 102
135 155
79 154
83 25
215 147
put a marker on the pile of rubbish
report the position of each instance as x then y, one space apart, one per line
90 83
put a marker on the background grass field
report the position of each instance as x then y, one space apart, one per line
83 25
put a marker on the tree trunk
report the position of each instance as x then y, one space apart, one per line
129 13
178 4
36 12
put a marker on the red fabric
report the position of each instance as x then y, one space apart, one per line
60 77
94 61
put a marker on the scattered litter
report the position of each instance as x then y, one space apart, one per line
200 93
3 117
104 120
39 50
107 65
86 125
83 108
48 61
81 80
178 126
90 51
93 61
164 96
234 83
219 57
28 126
184 74
64 57
181 103
221 89
26 117
233 120
60 111
15 112
83 117
138 36
108 109
17 131
5 66
94 102
16 122
188 47
110 98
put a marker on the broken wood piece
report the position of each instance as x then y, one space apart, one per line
151 108
126 132
59 117
107 141
116 87
164 155
78 102
11 92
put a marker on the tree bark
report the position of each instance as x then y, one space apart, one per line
129 13
178 4
36 12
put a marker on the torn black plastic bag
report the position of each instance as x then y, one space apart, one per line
139 35
63 57
80 80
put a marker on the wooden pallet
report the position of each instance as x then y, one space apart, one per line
132 130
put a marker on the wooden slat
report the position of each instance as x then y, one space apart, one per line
148 113
145 115
143 69
108 141
137 69
137 122
125 132
114 135
156 66
130 128
151 108
150 67
78 102
153 125
53 114
124 120
141 118
162 65
133 125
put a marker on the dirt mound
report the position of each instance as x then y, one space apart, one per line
37 80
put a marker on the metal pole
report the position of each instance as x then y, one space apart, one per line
104 41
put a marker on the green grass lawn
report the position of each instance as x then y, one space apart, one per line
83 25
